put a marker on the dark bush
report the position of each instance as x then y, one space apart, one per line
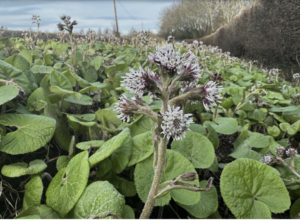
268 31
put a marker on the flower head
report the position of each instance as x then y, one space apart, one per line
138 81
291 152
266 159
296 75
166 57
279 151
175 123
125 108
210 94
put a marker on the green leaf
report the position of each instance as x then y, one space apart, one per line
82 82
82 121
224 125
110 117
246 141
285 173
21 168
8 92
22 64
62 162
61 135
33 132
252 189
88 144
207 205
127 212
47 212
273 131
47 59
68 184
41 69
95 87
125 187
144 124
109 147
61 91
257 115
212 136
121 156
295 209
8 72
142 147
27 55
196 148
96 62
198 129
60 80
99 200
31 213
33 192
176 165
84 100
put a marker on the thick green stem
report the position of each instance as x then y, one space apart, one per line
162 149
161 157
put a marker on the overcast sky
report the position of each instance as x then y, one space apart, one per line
16 15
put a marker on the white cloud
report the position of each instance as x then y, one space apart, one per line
89 14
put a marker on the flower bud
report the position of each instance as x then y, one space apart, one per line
266 159
279 151
190 176
291 152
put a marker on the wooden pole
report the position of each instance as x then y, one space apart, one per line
116 18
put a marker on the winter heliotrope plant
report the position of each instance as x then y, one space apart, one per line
175 83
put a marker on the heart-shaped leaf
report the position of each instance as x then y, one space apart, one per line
176 165
252 189
99 200
33 132
196 148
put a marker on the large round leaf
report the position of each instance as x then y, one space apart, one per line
100 199
21 168
252 189
33 132
8 92
68 184
176 165
207 204
196 148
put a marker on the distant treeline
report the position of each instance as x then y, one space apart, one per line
197 18
268 31
42 35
